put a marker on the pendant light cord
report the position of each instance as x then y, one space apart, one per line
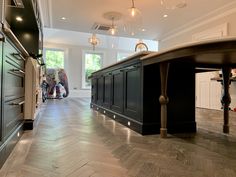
132 3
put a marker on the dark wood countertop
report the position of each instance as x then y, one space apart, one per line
136 55
213 53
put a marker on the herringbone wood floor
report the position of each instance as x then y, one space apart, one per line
72 140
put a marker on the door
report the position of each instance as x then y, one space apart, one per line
107 90
132 96
100 90
94 90
208 92
117 91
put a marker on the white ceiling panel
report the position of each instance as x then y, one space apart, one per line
82 14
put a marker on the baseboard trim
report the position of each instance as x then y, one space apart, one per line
29 124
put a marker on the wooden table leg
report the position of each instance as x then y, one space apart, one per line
226 100
163 99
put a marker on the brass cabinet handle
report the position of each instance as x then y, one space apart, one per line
18 70
19 55
17 104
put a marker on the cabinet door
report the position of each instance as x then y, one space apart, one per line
107 90
100 90
94 90
117 91
132 96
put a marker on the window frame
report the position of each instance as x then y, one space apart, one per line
56 49
83 84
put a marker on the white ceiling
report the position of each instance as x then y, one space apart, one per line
82 14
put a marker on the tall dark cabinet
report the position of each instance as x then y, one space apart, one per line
18 40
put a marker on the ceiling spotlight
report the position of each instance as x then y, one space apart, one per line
19 19
63 18
143 30
165 15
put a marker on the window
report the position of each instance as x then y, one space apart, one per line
54 58
92 62
123 55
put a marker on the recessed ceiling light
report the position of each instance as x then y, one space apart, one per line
63 18
19 19
165 15
144 30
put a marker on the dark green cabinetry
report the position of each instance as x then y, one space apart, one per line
17 42
12 97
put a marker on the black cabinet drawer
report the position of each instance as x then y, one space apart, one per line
14 81
13 115
13 55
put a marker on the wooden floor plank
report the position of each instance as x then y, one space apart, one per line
73 140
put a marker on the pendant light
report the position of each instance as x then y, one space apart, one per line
133 10
140 46
93 40
113 16
112 30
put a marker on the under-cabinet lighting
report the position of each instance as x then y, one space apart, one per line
18 134
104 112
128 123
114 116
19 19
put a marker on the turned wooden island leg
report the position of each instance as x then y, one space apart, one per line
163 99
226 100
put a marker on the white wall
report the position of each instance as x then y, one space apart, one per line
74 43
184 35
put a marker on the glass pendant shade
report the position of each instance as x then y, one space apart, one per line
140 46
133 11
113 29
93 40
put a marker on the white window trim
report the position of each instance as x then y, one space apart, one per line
83 66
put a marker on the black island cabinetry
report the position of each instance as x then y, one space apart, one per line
128 92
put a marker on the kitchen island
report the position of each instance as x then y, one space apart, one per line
129 92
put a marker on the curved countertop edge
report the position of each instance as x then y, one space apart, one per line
189 44
127 59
